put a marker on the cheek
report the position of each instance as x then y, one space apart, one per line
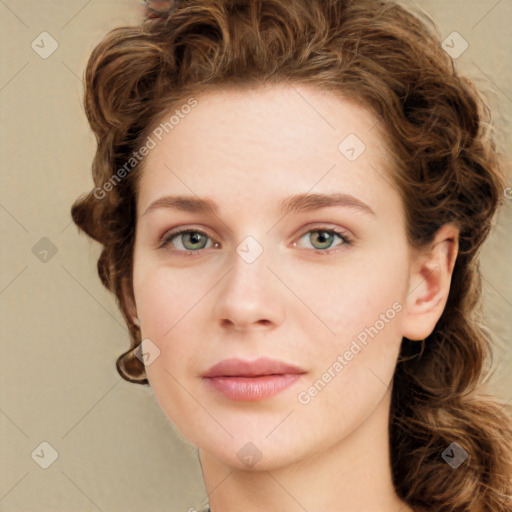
353 367
364 293
352 370
165 296
171 304
166 304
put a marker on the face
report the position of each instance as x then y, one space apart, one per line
316 283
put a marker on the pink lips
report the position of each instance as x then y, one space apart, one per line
238 379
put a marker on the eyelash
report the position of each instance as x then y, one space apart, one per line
167 238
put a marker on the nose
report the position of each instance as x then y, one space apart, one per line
250 297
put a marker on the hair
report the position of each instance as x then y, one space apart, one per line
445 166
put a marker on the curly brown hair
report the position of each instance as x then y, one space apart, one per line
447 169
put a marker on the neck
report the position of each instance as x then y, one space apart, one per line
353 475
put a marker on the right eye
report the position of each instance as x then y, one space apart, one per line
186 241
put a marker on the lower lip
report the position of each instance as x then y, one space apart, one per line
252 388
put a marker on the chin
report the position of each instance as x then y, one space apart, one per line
259 454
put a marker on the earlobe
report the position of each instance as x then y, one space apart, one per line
429 284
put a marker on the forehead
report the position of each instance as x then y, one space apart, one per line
273 140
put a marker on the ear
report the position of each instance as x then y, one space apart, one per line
129 301
429 283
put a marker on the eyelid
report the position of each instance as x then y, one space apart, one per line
326 226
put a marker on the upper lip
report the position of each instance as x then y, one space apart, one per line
243 368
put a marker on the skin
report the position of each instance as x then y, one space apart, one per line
248 150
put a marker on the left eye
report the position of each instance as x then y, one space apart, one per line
322 239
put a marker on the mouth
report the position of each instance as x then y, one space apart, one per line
242 380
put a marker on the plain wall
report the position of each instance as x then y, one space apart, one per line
61 330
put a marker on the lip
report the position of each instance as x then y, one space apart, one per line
242 380
235 367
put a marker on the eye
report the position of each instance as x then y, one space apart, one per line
188 241
323 238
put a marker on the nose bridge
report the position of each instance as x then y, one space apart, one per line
249 272
250 250
249 295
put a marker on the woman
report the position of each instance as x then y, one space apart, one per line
291 197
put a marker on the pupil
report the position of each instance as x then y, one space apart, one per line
324 237
195 238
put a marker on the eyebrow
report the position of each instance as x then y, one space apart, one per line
296 203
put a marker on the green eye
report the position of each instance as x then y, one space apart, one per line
190 240
196 239
322 239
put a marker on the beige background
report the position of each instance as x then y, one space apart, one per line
61 331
